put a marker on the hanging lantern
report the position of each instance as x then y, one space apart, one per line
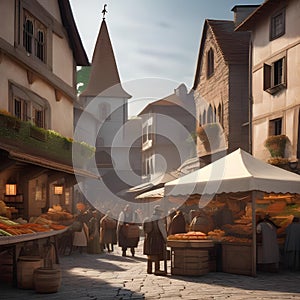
58 190
11 188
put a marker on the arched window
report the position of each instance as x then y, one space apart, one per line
220 114
28 35
34 36
210 62
40 45
210 115
204 117
215 115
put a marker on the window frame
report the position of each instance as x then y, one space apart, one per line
273 34
33 108
274 125
210 68
35 47
39 13
147 133
271 84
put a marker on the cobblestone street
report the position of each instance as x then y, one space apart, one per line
111 276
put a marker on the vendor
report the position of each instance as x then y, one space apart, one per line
178 223
267 247
292 245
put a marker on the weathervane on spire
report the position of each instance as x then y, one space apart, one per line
104 11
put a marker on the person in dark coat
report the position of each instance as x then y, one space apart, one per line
108 232
93 245
155 241
171 214
292 245
128 218
178 224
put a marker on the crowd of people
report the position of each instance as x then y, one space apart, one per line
96 232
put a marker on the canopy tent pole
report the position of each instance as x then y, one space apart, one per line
253 196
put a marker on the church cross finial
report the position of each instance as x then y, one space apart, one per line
104 11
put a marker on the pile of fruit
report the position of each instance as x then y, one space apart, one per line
191 235
11 228
57 215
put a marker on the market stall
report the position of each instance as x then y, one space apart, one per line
30 241
190 253
235 173
14 244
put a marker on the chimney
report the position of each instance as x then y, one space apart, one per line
241 12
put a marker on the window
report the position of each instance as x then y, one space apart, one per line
26 111
28 106
34 37
277 26
210 62
210 116
147 134
220 114
149 167
275 76
275 126
204 118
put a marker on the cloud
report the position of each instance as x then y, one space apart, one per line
161 54
164 25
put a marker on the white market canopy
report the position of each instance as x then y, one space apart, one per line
237 172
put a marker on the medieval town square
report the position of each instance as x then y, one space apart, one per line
149 149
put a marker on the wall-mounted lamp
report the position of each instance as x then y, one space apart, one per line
58 190
11 188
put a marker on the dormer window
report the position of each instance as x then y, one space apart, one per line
210 63
34 37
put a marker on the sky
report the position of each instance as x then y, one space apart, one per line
152 38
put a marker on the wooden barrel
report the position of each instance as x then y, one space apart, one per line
47 280
25 268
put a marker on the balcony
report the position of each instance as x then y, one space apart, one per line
25 137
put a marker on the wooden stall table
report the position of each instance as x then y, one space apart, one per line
15 244
190 257
237 258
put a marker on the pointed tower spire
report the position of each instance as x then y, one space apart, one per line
104 76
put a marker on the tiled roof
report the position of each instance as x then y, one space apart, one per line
233 45
74 38
104 76
260 13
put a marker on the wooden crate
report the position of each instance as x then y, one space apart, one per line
191 262
237 258
190 243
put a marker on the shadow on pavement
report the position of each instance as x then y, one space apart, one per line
285 281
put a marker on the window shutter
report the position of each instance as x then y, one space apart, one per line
267 76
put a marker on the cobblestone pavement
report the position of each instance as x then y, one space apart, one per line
111 276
